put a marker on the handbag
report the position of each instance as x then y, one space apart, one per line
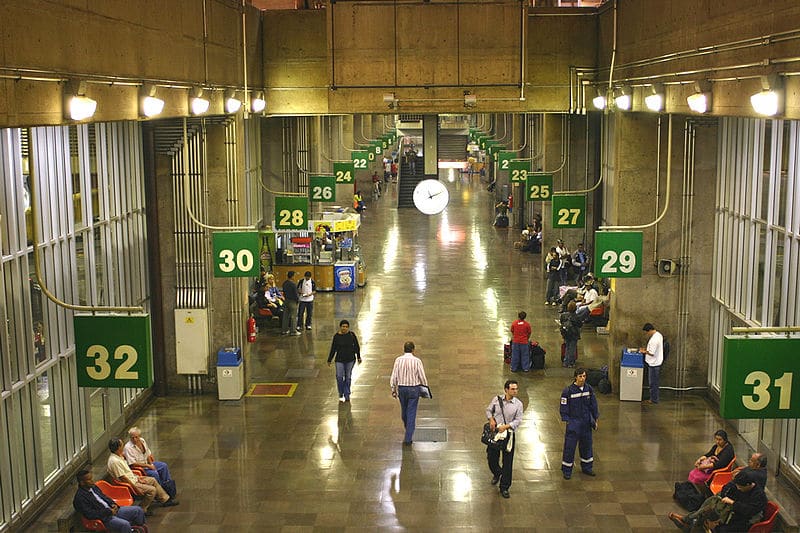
488 435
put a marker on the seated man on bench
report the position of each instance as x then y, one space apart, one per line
94 505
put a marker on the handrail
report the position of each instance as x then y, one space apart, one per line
767 329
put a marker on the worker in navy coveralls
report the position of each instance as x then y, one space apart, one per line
579 411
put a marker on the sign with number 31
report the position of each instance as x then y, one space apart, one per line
758 377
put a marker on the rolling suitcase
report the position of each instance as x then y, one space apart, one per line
507 354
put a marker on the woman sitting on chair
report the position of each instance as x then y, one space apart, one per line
719 456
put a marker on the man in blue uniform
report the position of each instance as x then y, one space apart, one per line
579 411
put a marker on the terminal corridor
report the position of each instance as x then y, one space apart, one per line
451 283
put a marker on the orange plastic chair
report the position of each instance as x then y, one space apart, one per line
719 480
726 468
121 494
97 525
766 525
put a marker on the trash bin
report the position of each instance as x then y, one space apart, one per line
631 373
230 374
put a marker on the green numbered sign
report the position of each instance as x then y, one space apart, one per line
360 159
377 147
504 157
384 143
344 172
322 188
291 212
569 211
758 377
539 187
618 254
519 170
113 351
236 254
370 150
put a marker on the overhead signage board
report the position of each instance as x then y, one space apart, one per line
322 188
504 157
539 187
291 212
236 254
113 351
758 377
519 170
569 211
360 159
343 172
618 254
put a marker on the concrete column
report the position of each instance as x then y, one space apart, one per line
430 145
639 193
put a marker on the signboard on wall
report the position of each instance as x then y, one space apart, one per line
113 351
291 212
343 171
236 254
758 377
569 211
539 187
618 254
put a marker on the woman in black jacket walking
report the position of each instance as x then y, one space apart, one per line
346 350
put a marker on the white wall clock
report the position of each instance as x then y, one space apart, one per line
431 196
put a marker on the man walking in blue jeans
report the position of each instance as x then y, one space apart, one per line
407 375
653 356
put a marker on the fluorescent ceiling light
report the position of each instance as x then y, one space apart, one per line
232 102
655 100
700 101
197 103
599 101
770 99
258 104
149 105
765 103
77 105
81 107
622 100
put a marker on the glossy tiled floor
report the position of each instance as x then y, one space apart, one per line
452 284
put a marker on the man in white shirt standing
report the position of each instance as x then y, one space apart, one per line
653 356
407 375
306 289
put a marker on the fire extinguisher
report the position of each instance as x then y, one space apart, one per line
252 330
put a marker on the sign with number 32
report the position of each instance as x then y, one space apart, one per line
113 351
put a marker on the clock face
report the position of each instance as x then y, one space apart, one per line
431 196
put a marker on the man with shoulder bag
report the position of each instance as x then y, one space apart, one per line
505 415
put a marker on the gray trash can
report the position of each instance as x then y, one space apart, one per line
230 374
631 374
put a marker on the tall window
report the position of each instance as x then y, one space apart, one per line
74 194
757 249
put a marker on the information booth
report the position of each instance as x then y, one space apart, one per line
329 250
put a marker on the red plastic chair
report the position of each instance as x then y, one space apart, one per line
766 525
719 480
121 494
97 525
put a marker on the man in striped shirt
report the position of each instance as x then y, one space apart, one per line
407 375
